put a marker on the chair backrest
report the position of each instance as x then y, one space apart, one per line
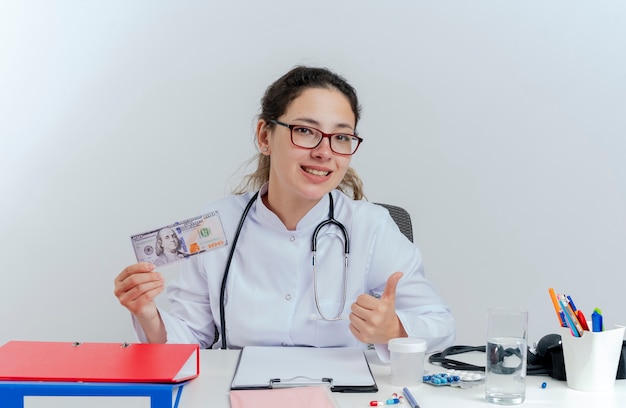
402 218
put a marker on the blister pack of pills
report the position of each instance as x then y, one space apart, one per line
454 378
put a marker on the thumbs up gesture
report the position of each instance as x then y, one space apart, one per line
374 320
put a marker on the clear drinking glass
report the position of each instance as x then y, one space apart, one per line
507 338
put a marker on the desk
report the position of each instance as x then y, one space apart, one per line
217 368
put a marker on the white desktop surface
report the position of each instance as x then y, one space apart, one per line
217 368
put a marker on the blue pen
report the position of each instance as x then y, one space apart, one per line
571 303
409 397
596 321
570 320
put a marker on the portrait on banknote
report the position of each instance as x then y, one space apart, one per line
167 247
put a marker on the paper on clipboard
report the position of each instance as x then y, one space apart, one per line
345 369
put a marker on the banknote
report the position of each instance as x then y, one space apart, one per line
179 240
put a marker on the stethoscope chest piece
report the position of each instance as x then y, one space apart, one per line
331 221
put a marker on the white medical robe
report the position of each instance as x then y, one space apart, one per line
270 290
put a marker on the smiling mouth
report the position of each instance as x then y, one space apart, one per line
316 172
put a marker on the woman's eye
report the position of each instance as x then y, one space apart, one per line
343 138
304 131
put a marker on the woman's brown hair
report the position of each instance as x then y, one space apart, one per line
274 103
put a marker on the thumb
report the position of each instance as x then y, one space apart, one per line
390 289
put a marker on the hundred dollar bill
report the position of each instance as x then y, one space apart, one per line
179 240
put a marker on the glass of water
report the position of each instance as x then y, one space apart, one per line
507 338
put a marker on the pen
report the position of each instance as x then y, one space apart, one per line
596 320
557 308
571 303
582 319
578 314
572 321
409 398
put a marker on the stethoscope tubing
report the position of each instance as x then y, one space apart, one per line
330 221
227 268
346 250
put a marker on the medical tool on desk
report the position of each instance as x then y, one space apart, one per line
330 221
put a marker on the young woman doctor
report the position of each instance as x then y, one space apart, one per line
366 283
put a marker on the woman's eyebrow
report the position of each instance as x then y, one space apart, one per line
317 124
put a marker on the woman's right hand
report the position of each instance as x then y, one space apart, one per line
136 287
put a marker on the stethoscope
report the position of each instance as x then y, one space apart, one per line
346 250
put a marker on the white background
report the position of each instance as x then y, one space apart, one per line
498 124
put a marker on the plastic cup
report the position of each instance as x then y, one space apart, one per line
407 361
591 360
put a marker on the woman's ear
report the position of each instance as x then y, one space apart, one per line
263 136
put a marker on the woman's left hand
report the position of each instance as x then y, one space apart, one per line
375 320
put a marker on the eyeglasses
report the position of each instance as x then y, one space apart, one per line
309 138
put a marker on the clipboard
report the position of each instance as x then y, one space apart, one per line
343 369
